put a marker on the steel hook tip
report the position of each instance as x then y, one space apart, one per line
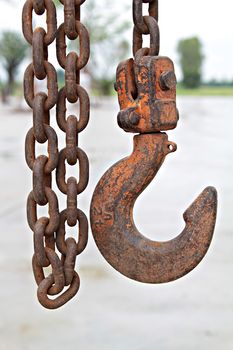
115 233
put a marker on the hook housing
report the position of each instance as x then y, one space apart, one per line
146 90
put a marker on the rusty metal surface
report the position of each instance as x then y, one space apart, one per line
146 25
114 231
146 87
146 90
49 233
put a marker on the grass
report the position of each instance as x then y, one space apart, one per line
181 91
206 91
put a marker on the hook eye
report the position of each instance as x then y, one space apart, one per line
171 147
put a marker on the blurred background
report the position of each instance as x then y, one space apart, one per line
111 311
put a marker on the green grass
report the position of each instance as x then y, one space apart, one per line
206 91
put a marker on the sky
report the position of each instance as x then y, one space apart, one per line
210 20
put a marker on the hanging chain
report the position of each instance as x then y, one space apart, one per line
145 25
49 232
73 29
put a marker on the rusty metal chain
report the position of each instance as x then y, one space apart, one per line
49 232
72 62
145 25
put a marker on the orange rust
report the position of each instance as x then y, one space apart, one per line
113 228
146 87
146 106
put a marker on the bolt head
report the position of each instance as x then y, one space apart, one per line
167 80
134 118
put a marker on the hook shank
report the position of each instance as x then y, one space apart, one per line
115 233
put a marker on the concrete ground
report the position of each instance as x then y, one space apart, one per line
111 311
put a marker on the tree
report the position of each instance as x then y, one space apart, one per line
191 59
12 52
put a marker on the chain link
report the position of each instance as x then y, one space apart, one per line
49 233
146 25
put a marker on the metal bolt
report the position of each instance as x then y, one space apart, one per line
167 80
134 118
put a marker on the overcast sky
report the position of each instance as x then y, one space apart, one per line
211 20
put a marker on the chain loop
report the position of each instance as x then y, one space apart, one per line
138 17
40 181
153 30
69 260
39 230
54 217
72 201
45 286
84 106
70 19
84 44
83 171
147 25
71 140
51 19
83 232
40 117
51 136
29 93
71 77
39 53
57 271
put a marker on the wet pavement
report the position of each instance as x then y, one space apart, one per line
111 311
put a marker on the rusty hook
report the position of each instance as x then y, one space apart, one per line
146 87
115 233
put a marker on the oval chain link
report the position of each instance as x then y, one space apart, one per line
146 25
49 233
